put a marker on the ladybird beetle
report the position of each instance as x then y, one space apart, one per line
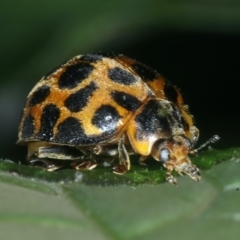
106 106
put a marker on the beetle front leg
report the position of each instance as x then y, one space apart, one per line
124 161
169 177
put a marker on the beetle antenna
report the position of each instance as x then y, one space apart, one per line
213 139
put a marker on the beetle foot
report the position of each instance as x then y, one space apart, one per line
86 165
120 169
171 179
142 161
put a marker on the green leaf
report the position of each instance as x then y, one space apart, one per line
97 204
153 174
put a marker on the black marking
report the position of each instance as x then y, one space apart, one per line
150 122
77 101
176 116
28 126
74 74
176 119
125 100
111 55
146 73
39 95
91 58
70 132
49 118
185 124
121 76
106 118
170 92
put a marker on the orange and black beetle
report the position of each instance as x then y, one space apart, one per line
107 105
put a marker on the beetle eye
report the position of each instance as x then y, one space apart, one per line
164 155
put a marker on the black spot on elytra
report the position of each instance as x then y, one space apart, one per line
28 126
149 121
74 74
70 131
170 92
106 118
146 74
91 58
125 100
50 115
77 101
121 76
108 54
39 95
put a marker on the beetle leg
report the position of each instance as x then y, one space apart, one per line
106 150
85 165
142 160
49 165
124 161
107 153
88 161
58 153
52 157
169 177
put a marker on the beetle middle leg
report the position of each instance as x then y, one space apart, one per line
88 162
107 153
52 157
124 161
84 165
142 160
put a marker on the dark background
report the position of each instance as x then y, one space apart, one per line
194 44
